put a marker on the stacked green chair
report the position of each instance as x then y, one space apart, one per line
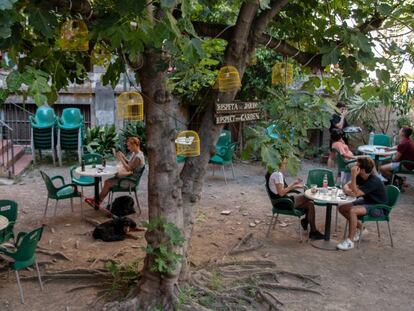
393 194
62 192
8 209
24 255
123 185
42 131
283 206
70 132
224 157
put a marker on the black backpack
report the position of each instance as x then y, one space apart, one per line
123 206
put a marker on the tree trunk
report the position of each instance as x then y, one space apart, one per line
156 290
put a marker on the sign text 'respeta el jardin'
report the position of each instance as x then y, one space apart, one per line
237 112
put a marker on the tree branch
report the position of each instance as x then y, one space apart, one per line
266 16
282 47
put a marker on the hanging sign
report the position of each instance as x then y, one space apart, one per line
237 112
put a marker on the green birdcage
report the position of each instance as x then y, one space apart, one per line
74 36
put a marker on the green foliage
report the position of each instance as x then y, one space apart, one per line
292 114
101 139
134 129
123 277
169 237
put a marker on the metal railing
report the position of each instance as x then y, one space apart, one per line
6 149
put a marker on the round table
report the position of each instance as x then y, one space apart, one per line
377 151
329 200
97 172
4 222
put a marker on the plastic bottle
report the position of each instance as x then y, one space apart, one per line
325 183
371 138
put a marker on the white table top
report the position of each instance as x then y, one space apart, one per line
376 150
98 171
328 198
4 222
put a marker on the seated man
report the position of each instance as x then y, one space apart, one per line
370 190
131 167
405 151
275 182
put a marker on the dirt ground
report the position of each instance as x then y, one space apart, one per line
373 277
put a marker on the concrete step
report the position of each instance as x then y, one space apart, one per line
18 152
5 145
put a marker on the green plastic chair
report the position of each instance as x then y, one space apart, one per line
315 177
44 118
224 139
223 157
342 164
283 206
122 187
393 194
24 255
66 191
382 140
71 119
402 170
8 209
180 159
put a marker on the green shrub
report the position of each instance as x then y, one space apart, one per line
101 139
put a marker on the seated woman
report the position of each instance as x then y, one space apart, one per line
275 182
131 166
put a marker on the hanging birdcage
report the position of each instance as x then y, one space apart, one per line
130 106
100 56
74 36
229 79
404 86
187 144
282 73
253 57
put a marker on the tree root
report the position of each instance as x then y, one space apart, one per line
57 255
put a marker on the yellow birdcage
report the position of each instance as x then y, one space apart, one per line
74 36
187 144
229 79
404 86
282 73
130 106
100 56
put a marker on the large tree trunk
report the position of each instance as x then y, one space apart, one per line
156 290
194 171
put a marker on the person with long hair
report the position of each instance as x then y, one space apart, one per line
131 166
275 182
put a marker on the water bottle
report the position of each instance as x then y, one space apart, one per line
325 183
83 166
371 138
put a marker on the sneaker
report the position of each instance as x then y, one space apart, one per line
316 235
357 235
345 245
304 223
